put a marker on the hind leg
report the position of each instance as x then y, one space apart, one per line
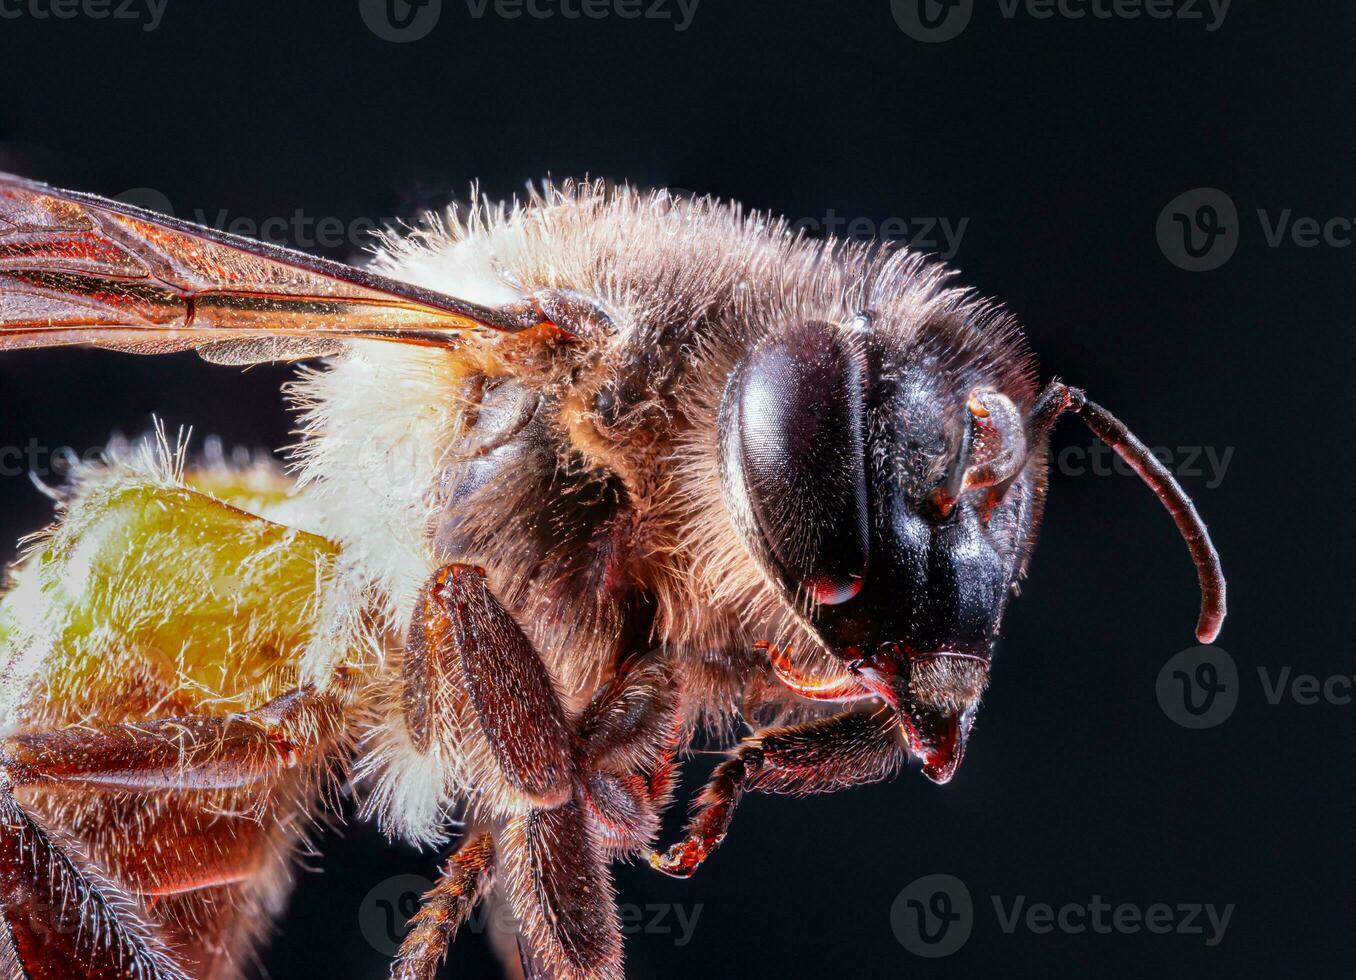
61 917
60 922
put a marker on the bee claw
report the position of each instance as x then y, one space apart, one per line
671 864
684 858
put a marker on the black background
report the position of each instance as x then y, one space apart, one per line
1061 140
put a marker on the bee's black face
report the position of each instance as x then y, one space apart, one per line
893 509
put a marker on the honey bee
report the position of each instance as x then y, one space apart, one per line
581 477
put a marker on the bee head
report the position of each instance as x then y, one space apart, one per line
893 511
891 492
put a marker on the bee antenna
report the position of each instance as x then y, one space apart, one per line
1058 398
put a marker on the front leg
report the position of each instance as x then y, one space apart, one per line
850 749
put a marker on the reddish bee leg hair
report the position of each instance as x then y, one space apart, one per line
554 866
850 749
630 722
466 878
210 752
59 916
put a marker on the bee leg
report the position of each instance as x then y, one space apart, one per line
556 876
465 880
630 720
628 735
59 918
849 749
462 636
558 882
209 752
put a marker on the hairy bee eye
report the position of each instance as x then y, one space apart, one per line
792 431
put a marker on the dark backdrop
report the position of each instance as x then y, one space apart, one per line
1060 141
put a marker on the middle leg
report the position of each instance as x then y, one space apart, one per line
553 864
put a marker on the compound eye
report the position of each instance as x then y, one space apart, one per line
793 431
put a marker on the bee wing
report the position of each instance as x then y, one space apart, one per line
79 269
